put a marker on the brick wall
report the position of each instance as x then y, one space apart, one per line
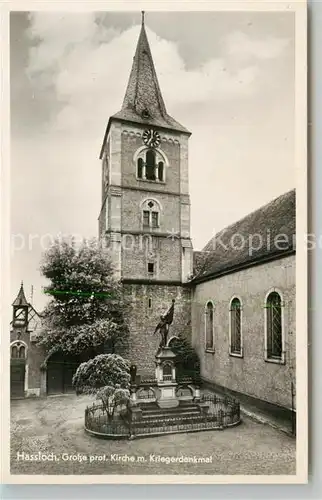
35 357
251 375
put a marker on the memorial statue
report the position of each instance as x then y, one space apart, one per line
163 325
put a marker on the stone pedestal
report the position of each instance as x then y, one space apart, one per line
168 397
165 374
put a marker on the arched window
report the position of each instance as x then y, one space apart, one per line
160 170
167 371
14 351
274 327
150 214
22 352
235 327
209 325
18 350
140 168
150 164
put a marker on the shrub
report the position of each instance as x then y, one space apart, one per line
108 377
187 362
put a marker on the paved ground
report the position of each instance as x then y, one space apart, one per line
53 428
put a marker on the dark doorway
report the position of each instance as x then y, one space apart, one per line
17 377
60 371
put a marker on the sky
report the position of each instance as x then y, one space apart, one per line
226 76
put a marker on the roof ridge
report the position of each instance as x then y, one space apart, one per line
265 233
226 228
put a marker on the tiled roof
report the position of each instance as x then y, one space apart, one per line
143 94
143 102
268 232
20 300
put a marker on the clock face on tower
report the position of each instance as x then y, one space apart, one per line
151 138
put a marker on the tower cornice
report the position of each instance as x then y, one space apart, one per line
142 123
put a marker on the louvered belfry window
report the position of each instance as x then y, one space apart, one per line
150 165
140 168
274 326
235 326
160 170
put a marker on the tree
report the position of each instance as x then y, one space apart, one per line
107 376
86 310
187 360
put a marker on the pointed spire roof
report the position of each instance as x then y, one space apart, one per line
143 102
21 298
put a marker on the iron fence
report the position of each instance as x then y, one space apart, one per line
215 412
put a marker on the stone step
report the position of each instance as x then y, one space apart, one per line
170 411
183 405
162 416
184 410
175 420
177 409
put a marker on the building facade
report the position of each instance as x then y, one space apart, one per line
235 300
243 308
26 378
32 372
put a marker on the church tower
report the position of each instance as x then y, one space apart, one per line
145 213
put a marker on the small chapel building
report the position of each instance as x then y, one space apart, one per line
25 356
234 300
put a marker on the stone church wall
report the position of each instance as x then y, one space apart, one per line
132 141
138 250
251 374
148 302
132 216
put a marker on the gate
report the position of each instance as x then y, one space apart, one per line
60 371
17 378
